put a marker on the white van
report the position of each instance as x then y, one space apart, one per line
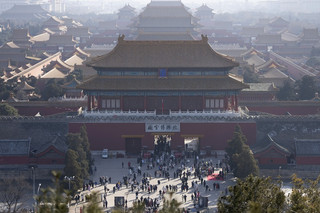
104 153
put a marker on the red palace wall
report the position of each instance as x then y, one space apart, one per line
282 110
272 161
307 160
112 135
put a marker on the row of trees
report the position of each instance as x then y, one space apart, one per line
303 89
263 195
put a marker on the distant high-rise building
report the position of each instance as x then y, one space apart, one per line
58 6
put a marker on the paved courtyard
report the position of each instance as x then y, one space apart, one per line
113 168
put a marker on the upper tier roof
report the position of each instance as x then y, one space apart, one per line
162 54
143 83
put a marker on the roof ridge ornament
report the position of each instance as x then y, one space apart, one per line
121 38
204 38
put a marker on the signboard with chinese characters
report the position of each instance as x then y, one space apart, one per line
162 127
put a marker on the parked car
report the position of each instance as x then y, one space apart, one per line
104 153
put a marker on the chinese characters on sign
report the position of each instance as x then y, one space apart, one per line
161 127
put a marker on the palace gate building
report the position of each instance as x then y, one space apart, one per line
181 90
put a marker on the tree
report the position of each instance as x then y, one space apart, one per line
170 204
13 191
254 194
86 146
51 90
286 93
239 155
93 205
306 87
249 76
55 199
76 160
7 110
305 196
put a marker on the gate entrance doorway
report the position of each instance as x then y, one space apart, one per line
162 144
133 146
191 146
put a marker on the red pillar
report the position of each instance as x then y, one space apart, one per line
203 102
99 102
92 102
225 104
232 102
89 102
236 103
121 103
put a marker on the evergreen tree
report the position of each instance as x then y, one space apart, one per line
86 146
305 195
170 204
76 160
93 205
286 93
53 200
7 110
239 155
306 87
254 194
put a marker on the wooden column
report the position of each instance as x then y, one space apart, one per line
121 103
89 102
225 104
203 102
92 102
232 102
145 103
236 103
99 102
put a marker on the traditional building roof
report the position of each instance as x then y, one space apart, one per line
204 7
165 16
15 147
74 60
278 22
260 87
252 31
204 83
273 73
255 60
307 147
78 31
310 34
24 86
144 36
268 39
71 84
127 7
61 40
158 54
25 12
41 37
19 35
10 44
54 73
252 51
269 65
271 144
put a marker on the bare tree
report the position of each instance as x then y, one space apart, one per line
12 193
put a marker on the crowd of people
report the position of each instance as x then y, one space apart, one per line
138 179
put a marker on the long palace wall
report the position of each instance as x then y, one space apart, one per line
112 135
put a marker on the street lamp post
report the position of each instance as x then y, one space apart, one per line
69 179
